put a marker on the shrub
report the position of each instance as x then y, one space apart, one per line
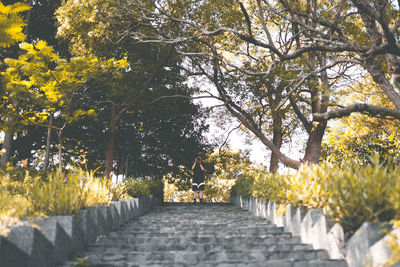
141 187
244 185
156 187
62 195
350 194
55 195
136 187
218 190
370 193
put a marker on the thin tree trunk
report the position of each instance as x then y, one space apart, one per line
47 152
8 139
60 144
110 143
126 166
110 150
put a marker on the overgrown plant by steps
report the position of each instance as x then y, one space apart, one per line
350 194
23 198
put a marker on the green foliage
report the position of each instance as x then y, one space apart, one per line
11 23
244 185
218 189
43 83
222 170
370 193
63 194
140 187
172 193
55 194
350 194
67 194
358 137
16 173
14 202
156 187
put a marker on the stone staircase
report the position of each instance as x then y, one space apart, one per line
182 234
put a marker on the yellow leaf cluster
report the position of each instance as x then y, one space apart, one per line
42 79
350 194
55 195
11 23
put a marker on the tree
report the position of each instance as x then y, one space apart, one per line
327 38
11 27
93 28
359 137
42 85
39 24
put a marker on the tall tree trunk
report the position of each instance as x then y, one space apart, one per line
277 140
314 143
8 139
320 99
47 151
114 120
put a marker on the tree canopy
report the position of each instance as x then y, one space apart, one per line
103 90
119 77
325 45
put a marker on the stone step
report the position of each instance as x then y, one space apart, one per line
221 231
203 235
208 235
216 257
201 239
202 248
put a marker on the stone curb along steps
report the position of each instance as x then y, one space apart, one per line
368 246
57 238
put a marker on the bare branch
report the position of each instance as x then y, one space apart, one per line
227 137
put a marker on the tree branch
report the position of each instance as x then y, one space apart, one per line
246 16
183 96
370 110
307 125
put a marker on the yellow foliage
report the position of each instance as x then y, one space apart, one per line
11 23
350 194
55 195
42 79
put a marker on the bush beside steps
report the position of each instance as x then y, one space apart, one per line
53 240
373 244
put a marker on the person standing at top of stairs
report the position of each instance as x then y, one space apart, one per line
198 179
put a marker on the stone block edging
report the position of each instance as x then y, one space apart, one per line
368 246
55 239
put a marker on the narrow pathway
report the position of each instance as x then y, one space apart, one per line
203 235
